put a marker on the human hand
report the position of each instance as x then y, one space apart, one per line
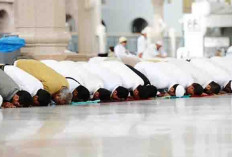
8 105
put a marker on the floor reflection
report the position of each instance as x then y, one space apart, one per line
196 127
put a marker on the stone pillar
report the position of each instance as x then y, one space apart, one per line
6 16
42 24
158 19
89 18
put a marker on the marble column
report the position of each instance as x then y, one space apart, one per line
7 16
158 19
42 24
89 18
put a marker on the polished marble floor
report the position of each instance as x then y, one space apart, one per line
197 127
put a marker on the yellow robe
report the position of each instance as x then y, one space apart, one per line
51 80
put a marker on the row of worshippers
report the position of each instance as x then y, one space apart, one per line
39 83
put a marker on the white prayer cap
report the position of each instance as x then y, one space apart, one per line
122 39
159 42
180 91
1 100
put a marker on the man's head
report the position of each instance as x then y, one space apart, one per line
228 87
80 94
212 88
120 93
144 34
102 94
141 92
158 44
42 98
22 99
152 91
147 30
123 41
62 97
176 90
195 89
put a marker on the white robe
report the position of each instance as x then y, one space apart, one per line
218 74
224 63
24 80
66 71
110 79
91 81
130 80
199 76
141 44
120 51
150 52
163 74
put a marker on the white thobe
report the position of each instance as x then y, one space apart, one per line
218 74
24 80
110 79
141 44
129 79
120 51
198 76
91 81
73 79
163 75
224 63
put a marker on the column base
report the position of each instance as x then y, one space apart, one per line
55 56
44 41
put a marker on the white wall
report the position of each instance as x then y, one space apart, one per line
118 15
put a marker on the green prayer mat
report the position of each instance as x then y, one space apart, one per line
85 103
174 97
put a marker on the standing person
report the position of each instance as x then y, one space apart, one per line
120 50
28 83
142 43
52 81
101 34
11 93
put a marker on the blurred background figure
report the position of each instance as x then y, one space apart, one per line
160 49
229 51
142 43
120 49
